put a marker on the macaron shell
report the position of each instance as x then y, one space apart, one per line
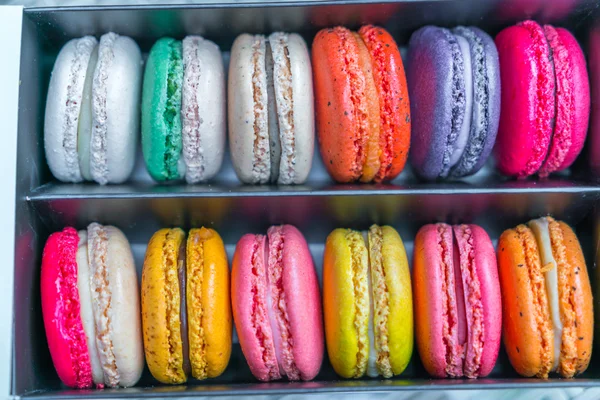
428 284
303 303
259 354
394 106
339 108
63 106
594 65
124 312
203 109
487 274
63 326
161 95
160 307
528 99
580 298
521 322
400 318
115 109
372 162
430 83
581 97
340 302
303 107
208 303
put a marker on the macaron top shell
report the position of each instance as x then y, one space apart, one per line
437 99
61 309
528 99
63 107
161 109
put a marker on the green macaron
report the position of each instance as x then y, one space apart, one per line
161 108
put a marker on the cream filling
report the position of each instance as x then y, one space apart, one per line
261 159
463 133
101 299
99 137
372 360
540 228
84 130
86 310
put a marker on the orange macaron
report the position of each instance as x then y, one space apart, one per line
362 107
546 299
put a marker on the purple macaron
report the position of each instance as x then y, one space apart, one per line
454 88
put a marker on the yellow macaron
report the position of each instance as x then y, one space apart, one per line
186 309
367 299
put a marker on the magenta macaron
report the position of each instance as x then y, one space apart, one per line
277 305
545 100
458 314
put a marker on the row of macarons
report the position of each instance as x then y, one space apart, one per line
458 299
527 94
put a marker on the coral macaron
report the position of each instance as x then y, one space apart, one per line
362 107
277 305
186 311
91 307
546 299
367 300
545 100
457 300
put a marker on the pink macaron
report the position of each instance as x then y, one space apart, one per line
277 305
458 314
545 100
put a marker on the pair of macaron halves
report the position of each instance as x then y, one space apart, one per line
367 302
270 109
186 309
183 110
454 86
91 124
362 106
91 309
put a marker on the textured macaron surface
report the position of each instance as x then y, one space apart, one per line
436 86
528 99
161 110
485 115
61 310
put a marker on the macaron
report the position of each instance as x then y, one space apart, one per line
277 305
362 107
367 301
183 110
454 86
91 307
186 311
545 100
91 124
458 313
546 299
594 65
270 104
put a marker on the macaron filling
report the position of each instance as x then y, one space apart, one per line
280 324
458 100
101 300
379 299
540 298
84 131
360 283
562 137
68 295
183 314
472 304
450 328
171 113
545 107
284 101
260 318
261 163
191 120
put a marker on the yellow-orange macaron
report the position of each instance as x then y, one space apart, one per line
186 309
367 301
